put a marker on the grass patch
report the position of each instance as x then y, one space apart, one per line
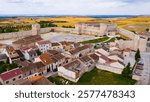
95 40
95 77
101 77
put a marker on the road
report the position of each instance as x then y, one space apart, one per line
145 78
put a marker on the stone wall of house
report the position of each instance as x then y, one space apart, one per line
109 68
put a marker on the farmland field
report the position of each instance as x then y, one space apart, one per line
136 24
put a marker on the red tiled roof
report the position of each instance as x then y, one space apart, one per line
44 42
10 74
46 59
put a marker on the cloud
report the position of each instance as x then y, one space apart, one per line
81 7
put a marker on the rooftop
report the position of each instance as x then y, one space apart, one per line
28 40
73 66
3 56
10 74
55 44
44 42
45 58
78 49
85 59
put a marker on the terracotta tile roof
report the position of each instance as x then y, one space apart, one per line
28 40
23 82
10 74
45 58
40 80
79 49
10 49
52 52
42 42
39 64
65 43
108 60
94 57
37 80
127 50
55 44
73 65
85 59
28 68
57 57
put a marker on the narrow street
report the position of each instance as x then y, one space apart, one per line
145 78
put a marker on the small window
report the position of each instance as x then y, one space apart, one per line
14 79
19 77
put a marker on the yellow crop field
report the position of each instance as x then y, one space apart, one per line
137 24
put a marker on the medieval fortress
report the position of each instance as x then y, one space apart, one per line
90 28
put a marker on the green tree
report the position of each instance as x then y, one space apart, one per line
127 71
147 30
38 52
137 55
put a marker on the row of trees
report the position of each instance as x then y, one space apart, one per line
45 24
128 70
14 29
68 26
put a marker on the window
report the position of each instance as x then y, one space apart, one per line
7 82
14 79
19 77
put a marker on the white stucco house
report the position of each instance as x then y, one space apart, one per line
44 45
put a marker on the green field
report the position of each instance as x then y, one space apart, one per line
95 40
96 77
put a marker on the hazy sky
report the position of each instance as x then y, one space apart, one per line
75 7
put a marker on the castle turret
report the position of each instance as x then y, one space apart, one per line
36 29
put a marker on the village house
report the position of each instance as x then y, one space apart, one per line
27 41
67 46
87 62
36 80
12 54
29 53
81 51
45 58
59 59
52 52
40 68
116 57
110 62
102 51
126 52
10 77
44 45
57 46
29 69
72 71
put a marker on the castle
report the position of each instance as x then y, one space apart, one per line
96 28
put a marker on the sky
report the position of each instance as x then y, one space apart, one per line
74 7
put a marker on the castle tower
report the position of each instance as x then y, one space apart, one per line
36 29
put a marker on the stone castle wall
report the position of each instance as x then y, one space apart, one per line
127 33
21 34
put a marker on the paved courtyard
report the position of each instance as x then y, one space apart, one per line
57 37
